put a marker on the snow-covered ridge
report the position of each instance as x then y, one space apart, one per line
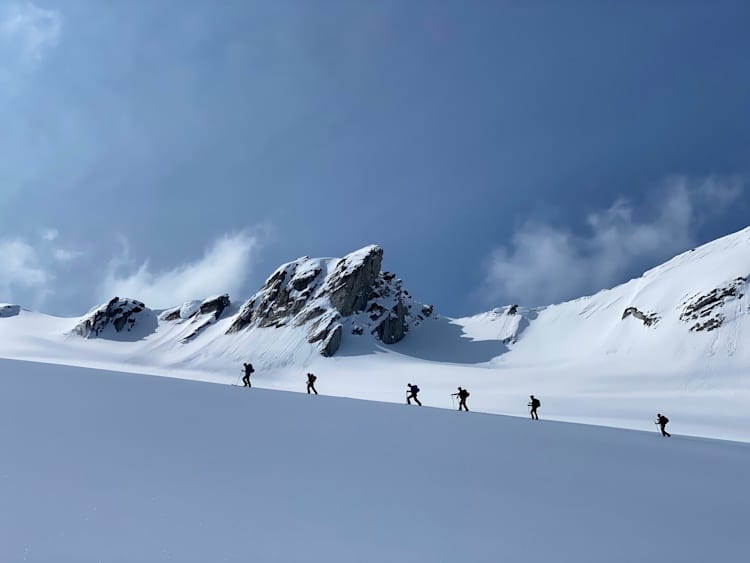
327 299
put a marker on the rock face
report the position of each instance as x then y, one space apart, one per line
332 296
648 319
201 313
120 314
706 308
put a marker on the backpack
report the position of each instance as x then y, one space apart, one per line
414 389
249 368
465 394
536 403
664 420
312 378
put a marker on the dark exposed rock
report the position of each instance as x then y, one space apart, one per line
648 319
393 327
171 314
332 342
243 318
513 309
207 314
328 292
348 288
321 329
709 325
7 310
215 305
707 307
121 314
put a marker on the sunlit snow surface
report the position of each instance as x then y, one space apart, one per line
582 358
101 466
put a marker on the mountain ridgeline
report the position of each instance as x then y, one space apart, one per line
326 297
693 306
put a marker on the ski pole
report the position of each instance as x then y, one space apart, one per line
453 402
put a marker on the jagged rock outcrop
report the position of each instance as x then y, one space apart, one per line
707 308
120 314
648 319
201 313
330 293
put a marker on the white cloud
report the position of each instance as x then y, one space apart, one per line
31 29
66 255
21 269
222 269
545 264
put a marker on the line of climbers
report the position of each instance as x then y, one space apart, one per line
462 394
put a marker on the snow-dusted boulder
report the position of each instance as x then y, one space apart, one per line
328 294
647 319
116 316
8 310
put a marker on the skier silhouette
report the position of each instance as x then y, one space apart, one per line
311 383
412 394
662 420
248 369
534 404
462 396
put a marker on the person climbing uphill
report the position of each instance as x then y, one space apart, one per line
248 369
534 404
462 395
412 394
311 378
662 420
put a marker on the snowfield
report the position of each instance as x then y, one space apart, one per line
113 467
672 341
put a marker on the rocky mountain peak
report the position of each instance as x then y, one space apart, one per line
331 295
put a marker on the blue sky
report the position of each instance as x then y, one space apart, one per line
499 151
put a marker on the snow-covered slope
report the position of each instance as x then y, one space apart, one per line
673 340
690 312
100 466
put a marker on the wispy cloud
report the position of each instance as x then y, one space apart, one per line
31 29
223 268
65 254
545 264
30 269
22 271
